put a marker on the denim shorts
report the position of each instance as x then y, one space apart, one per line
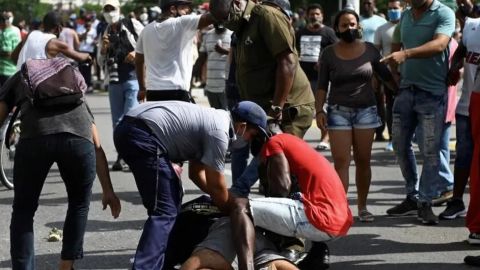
345 118
464 146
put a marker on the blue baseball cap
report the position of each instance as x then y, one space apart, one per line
251 113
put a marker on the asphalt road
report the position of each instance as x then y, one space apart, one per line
386 243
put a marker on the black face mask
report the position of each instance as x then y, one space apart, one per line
219 29
349 35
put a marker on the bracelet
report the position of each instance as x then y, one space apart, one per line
406 54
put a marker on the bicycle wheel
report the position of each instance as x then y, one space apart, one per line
7 156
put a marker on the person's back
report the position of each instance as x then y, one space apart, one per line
323 194
66 136
68 36
187 131
34 47
166 46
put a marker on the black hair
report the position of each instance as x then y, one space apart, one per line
341 13
314 6
3 18
51 20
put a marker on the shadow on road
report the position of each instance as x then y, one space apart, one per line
372 244
92 260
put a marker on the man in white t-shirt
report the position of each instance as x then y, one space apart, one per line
164 50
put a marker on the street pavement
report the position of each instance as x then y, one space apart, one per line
386 243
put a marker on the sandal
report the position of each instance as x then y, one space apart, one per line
365 216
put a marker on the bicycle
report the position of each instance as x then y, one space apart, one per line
7 155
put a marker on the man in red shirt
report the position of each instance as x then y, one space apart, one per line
319 212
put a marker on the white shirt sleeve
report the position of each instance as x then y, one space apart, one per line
190 22
139 46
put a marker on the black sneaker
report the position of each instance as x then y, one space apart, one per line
426 215
455 208
318 258
472 260
474 238
119 165
405 208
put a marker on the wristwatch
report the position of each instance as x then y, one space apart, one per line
276 109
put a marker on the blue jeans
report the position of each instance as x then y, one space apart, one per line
247 179
123 97
445 181
75 158
239 162
414 108
157 184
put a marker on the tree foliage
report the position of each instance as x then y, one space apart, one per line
26 9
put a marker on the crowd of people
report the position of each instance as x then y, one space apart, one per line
268 73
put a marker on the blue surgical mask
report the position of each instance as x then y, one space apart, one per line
394 14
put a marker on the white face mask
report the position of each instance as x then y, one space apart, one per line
238 142
144 17
10 20
112 16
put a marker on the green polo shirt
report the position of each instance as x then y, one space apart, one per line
9 39
429 74
265 33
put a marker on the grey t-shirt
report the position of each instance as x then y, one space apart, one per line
351 80
188 131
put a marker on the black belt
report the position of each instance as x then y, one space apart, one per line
163 95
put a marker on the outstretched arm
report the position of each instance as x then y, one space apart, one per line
108 198
55 46
243 232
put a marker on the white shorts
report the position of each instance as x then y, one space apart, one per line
285 217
